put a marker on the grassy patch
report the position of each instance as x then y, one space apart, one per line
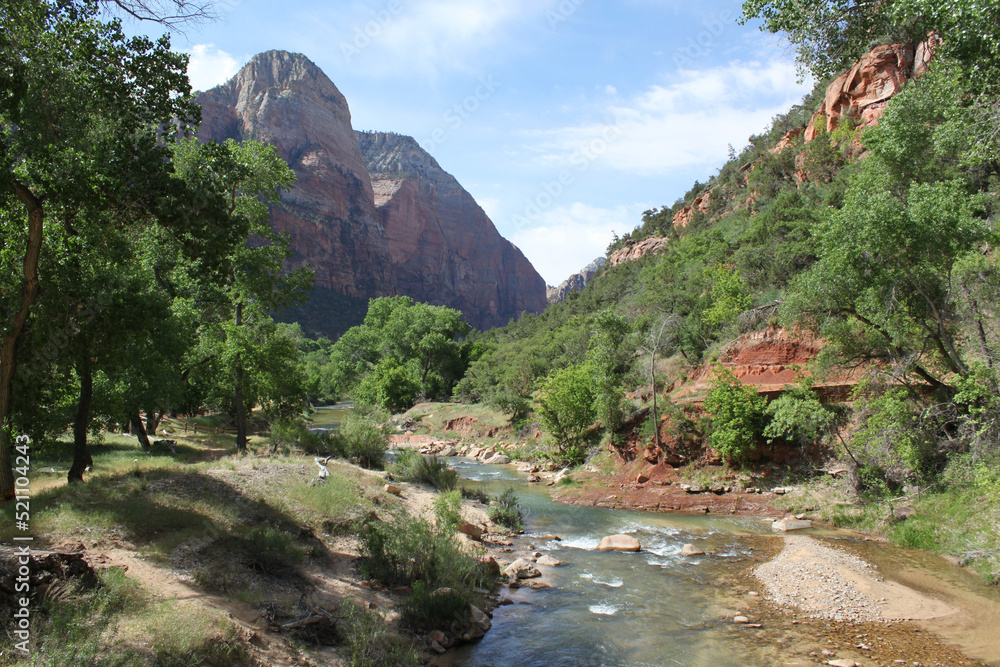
117 624
370 642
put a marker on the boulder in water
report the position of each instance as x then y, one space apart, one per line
619 543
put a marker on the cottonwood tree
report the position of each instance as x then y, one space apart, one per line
258 360
84 114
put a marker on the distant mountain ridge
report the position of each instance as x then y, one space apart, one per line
575 282
375 222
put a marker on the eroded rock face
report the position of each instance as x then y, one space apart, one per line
285 100
865 90
416 232
575 282
700 204
630 253
445 250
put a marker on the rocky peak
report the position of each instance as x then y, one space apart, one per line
388 153
575 282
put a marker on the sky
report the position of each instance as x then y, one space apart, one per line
565 119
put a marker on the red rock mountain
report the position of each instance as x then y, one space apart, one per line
445 250
426 238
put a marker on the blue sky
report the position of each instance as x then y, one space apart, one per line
564 118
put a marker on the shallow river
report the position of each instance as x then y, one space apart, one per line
657 607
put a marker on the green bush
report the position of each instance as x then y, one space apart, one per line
409 552
293 434
412 467
363 441
506 511
427 608
737 416
798 416
370 642
447 508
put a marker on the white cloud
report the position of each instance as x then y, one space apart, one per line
567 238
423 36
688 122
208 66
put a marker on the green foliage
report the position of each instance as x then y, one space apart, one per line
891 443
798 416
738 418
412 467
729 298
370 641
362 440
389 385
566 405
290 434
506 511
609 355
403 350
447 509
409 552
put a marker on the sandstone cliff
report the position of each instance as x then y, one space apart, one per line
418 232
285 100
445 250
575 282
634 251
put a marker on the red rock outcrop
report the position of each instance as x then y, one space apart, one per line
285 100
445 250
864 92
700 204
630 253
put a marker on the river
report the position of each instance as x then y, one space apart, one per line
659 608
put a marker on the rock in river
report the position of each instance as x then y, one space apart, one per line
619 543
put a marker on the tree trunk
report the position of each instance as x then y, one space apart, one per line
139 430
241 419
14 328
81 456
656 420
152 421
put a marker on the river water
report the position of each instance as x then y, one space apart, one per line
658 608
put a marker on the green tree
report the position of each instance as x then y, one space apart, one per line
738 418
565 402
84 114
609 356
798 416
729 298
260 363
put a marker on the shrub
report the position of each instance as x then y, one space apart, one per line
363 441
413 467
506 511
798 416
369 641
288 434
447 508
737 416
408 552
